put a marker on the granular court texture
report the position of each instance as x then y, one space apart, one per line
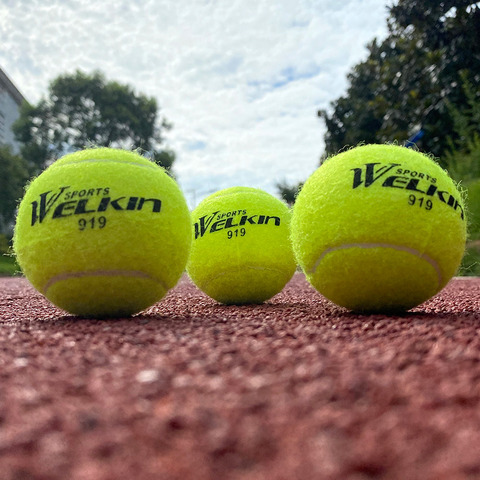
296 388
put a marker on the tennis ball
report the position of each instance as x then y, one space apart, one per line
241 251
379 228
103 232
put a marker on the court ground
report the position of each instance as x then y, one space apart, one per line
296 388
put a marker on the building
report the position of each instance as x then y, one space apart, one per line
10 101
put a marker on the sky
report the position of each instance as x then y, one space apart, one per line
240 80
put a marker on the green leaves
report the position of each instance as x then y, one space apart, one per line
83 110
13 177
407 79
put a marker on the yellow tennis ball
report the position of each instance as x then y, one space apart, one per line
103 232
379 228
241 251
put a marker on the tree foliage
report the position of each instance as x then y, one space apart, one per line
83 110
462 159
410 80
288 193
164 158
13 178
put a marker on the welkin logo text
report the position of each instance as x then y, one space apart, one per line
394 175
55 203
206 224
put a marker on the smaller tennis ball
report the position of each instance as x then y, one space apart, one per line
241 251
379 228
103 232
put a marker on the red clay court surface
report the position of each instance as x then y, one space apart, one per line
296 388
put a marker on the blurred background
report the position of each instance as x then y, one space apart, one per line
244 92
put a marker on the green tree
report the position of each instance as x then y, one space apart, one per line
83 110
165 159
463 163
407 79
12 180
287 192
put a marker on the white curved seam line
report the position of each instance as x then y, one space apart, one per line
100 273
400 248
107 160
263 269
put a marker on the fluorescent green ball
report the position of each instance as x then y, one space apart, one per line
103 232
379 228
241 251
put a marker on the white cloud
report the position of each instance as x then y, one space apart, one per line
241 80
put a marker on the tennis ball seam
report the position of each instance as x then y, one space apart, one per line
400 248
107 160
209 280
101 273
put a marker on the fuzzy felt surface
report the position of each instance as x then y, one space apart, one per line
241 250
103 232
379 227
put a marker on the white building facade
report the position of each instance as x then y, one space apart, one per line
10 102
